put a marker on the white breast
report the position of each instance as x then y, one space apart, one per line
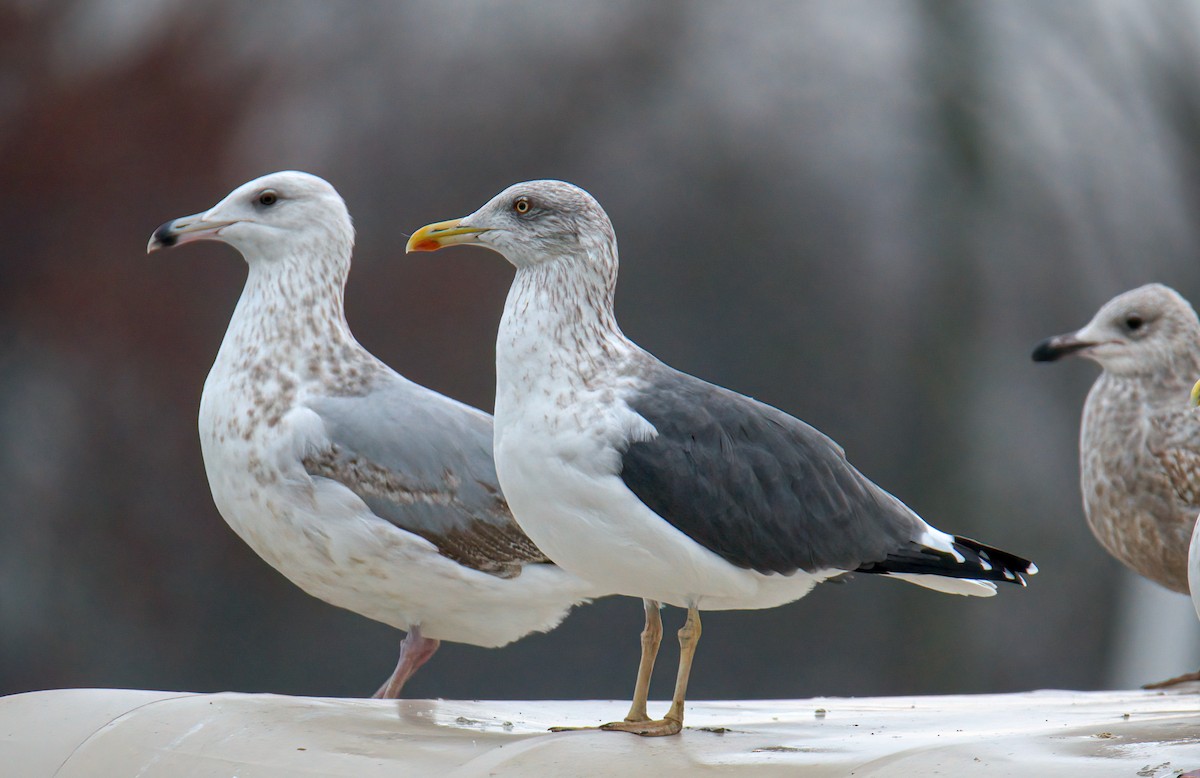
558 437
255 430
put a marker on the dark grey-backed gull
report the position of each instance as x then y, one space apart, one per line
652 483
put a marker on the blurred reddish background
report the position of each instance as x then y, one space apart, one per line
864 213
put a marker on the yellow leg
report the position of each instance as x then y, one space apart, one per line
672 723
651 640
689 636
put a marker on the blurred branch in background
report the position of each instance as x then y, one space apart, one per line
863 212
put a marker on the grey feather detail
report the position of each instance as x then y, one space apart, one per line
758 487
423 462
766 491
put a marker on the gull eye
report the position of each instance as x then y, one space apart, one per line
1133 322
521 205
267 197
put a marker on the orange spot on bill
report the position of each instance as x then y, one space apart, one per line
428 244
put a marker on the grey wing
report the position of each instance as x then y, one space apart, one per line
768 492
759 488
1174 440
424 463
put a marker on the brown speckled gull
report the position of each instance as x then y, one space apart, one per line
1139 444
365 489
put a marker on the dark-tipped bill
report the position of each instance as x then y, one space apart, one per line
439 235
185 229
1059 346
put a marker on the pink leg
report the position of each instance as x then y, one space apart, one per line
415 651
1185 678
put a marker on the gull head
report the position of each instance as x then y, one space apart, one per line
1143 330
277 215
529 223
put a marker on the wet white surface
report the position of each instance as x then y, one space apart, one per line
96 732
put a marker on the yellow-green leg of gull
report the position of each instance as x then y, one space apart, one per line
651 640
672 723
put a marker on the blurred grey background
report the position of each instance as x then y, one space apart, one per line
865 213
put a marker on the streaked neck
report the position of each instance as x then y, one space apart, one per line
291 312
558 326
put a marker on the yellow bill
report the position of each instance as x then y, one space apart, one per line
436 236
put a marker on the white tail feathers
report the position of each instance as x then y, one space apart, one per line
965 586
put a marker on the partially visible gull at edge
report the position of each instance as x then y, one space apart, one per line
1139 441
1193 563
363 488
652 483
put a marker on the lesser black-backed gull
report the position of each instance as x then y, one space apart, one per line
653 483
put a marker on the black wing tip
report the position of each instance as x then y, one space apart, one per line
1001 565
971 560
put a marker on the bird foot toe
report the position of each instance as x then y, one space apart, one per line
656 728
1186 678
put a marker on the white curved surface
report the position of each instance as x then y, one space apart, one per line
96 732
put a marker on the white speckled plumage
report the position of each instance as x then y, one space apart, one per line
366 490
1139 441
560 431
